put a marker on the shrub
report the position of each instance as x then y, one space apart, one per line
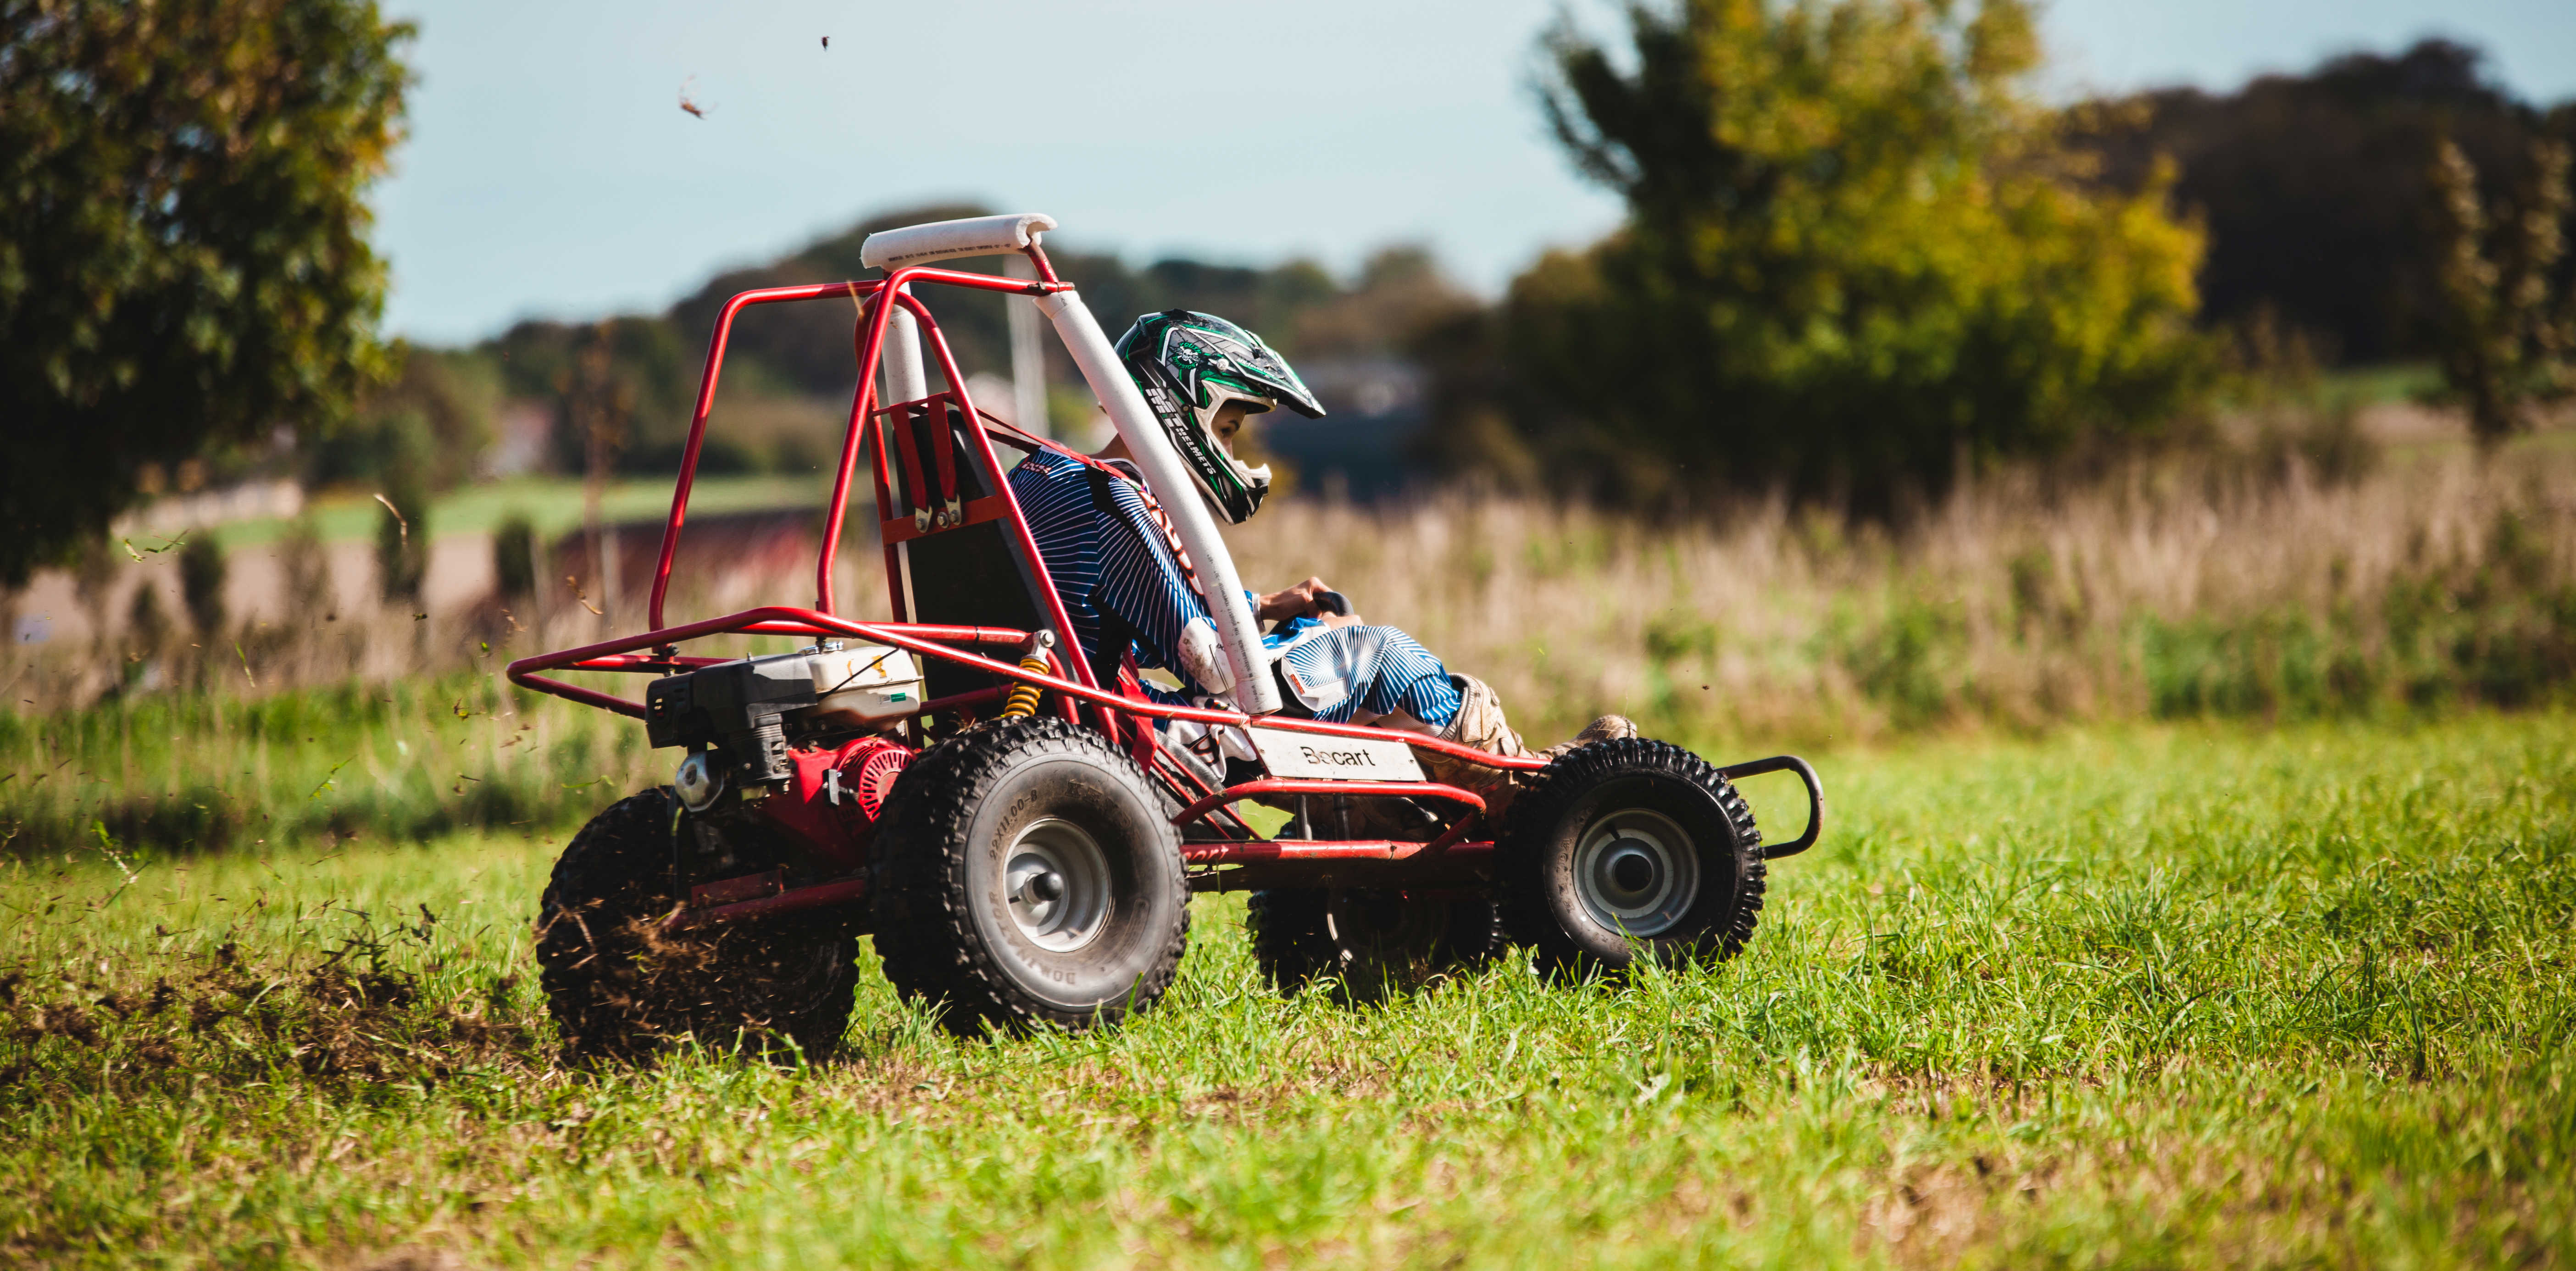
1855 259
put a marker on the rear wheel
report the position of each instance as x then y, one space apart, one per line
620 987
1630 847
1375 941
1026 875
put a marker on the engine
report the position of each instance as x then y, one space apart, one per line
806 731
745 715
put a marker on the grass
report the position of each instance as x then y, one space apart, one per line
2185 586
405 759
2152 995
2187 590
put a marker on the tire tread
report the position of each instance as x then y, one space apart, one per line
925 932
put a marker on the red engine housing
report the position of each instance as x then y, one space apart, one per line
837 794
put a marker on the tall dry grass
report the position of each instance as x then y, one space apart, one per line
2171 589
2174 588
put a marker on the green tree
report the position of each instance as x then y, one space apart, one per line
183 254
2507 337
1855 256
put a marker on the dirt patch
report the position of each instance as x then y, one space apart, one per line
227 1013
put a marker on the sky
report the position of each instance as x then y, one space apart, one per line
551 172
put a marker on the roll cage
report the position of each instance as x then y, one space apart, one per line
965 574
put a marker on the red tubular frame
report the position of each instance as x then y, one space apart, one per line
927 641
655 651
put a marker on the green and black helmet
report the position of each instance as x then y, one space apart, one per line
1189 365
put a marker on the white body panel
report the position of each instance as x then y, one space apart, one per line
862 685
1308 757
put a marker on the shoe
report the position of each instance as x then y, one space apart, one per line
1606 728
1479 723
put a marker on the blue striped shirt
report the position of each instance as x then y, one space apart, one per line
1121 585
1125 591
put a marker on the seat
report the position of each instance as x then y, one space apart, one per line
957 557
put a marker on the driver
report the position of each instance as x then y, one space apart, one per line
1135 601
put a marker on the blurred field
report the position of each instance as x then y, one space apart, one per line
2240 586
2148 995
2216 586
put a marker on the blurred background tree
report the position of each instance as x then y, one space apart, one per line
1856 258
433 413
2313 186
514 558
2508 329
183 252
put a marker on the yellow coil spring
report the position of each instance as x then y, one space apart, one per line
1024 697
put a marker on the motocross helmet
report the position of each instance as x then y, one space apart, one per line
1189 365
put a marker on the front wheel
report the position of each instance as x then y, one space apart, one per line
1026 875
1630 848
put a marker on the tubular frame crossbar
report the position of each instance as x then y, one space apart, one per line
871 322
937 642
1280 785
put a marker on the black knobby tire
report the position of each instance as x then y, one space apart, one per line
1289 943
1375 941
1626 846
973 831
620 988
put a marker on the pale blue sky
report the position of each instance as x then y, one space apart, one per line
551 172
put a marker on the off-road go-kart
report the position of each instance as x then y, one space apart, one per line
1016 835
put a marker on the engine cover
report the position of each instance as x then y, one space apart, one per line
836 795
749 711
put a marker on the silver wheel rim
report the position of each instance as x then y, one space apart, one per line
1637 872
1056 879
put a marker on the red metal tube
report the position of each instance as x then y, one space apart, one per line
820 896
1282 785
1028 543
1268 851
523 673
706 402
851 439
715 367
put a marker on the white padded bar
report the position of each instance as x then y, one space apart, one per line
943 240
905 380
1255 691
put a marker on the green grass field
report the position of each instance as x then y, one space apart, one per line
2186 995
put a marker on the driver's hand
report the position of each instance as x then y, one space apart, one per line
1296 602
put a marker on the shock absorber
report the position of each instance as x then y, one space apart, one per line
1023 698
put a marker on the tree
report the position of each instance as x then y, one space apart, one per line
2313 186
183 254
1854 257
2508 331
